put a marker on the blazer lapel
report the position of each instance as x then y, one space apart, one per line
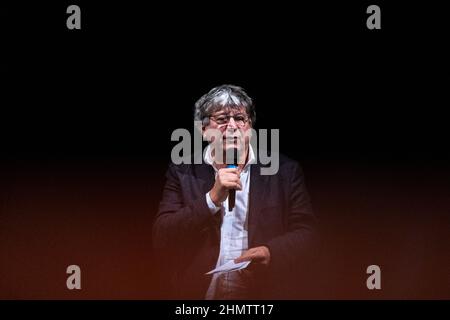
205 176
258 191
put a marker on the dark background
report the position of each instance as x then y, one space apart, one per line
87 117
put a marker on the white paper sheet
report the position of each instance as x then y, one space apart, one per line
230 266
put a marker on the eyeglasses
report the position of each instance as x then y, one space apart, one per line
223 119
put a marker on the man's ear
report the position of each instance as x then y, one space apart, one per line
201 128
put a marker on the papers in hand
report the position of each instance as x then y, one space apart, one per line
230 266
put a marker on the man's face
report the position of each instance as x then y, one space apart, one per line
233 124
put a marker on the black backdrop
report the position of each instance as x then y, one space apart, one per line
87 117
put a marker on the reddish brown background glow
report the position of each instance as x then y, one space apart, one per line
99 217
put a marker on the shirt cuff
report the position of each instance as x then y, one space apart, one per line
212 207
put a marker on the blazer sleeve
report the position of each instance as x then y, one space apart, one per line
300 241
177 220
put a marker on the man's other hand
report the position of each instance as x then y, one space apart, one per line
259 255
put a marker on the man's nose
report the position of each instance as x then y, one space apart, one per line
231 124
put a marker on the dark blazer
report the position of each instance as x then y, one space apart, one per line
186 236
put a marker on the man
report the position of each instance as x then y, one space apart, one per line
271 224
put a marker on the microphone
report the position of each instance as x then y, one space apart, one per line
232 192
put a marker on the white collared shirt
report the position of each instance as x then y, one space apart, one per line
234 228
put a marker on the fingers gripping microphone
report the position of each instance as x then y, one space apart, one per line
233 163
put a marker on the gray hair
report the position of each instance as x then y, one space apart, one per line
226 95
